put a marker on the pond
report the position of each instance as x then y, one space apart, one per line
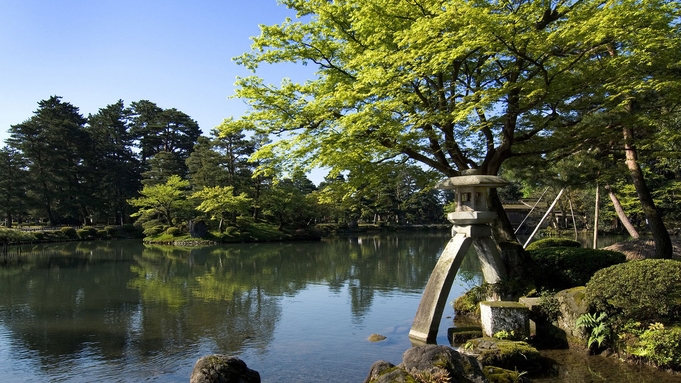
294 312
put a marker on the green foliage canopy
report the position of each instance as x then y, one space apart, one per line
453 85
163 201
221 202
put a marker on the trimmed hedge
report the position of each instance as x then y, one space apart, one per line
564 267
552 242
69 232
647 290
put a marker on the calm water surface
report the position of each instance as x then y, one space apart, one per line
295 312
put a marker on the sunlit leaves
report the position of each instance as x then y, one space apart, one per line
162 201
220 201
451 84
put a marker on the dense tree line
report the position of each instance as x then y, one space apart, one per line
142 163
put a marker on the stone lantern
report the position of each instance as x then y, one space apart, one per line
470 218
471 191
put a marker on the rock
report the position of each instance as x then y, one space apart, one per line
222 369
429 361
503 353
510 317
376 338
572 306
460 335
379 368
500 375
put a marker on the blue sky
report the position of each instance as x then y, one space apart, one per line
177 54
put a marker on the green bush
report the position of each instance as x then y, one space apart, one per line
647 290
91 230
564 267
112 231
69 232
231 231
660 345
102 234
552 242
174 231
57 235
469 303
154 231
83 233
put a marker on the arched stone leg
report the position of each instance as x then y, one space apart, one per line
493 269
434 299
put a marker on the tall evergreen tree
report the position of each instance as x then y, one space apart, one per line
168 131
13 185
114 170
54 142
205 165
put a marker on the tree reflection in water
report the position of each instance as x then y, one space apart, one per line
121 303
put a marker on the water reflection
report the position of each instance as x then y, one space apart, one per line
117 305
122 311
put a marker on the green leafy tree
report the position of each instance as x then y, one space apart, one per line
162 204
453 85
286 205
221 203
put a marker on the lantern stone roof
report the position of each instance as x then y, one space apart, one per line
471 180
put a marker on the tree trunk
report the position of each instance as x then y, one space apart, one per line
621 215
663 244
596 216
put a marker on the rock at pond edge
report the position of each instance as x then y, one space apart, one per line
222 369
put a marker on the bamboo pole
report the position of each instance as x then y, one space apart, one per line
536 229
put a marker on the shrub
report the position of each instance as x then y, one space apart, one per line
549 306
231 231
552 242
104 234
564 267
469 302
91 230
647 290
660 345
154 231
56 235
111 231
69 232
174 231
83 233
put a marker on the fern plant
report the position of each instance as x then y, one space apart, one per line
599 332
